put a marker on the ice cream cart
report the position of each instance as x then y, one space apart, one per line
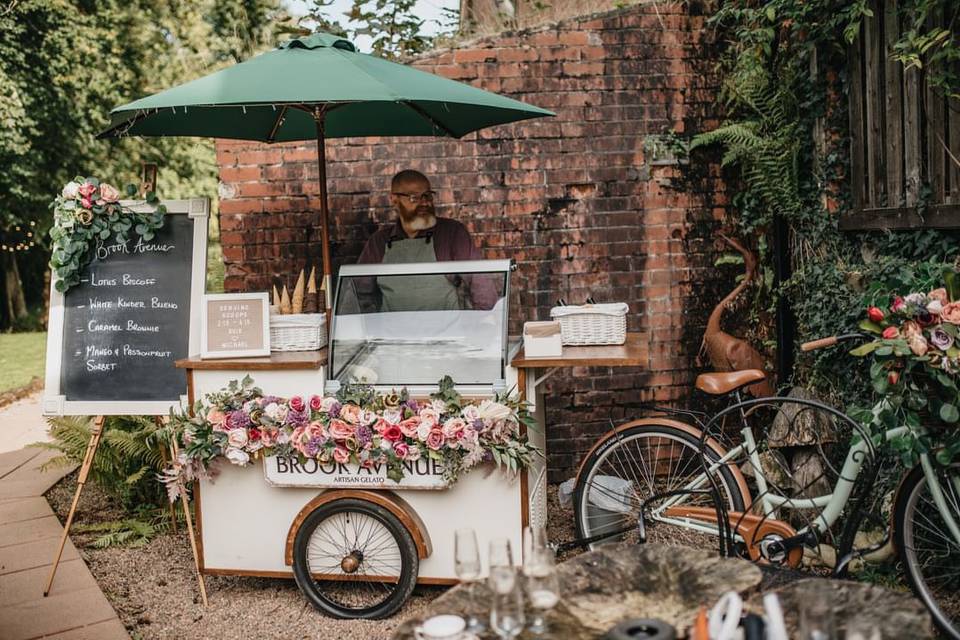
356 541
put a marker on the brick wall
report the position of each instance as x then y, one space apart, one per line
577 200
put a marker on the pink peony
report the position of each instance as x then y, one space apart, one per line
401 449
296 403
340 430
109 193
453 428
951 313
86 190
268 437
316 402
350 413
429 415
341 455
435 440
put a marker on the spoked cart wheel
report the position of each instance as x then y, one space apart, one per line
929 552
355 559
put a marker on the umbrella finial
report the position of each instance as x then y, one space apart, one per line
318 40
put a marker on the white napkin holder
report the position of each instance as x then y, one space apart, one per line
542 339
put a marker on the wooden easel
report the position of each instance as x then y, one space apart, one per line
92 446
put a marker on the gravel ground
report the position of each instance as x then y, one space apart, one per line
154 590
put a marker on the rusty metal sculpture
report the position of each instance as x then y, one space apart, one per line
727 352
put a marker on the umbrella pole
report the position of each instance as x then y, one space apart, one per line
319 113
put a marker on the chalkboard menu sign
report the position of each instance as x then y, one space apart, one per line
113 339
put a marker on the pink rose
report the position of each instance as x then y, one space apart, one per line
951 313
316 402
237 438
328 403
401 449
435 439
86 203
341 455
429 415
109 193
898 304
86 190
296 403
340 430
941 295
453 428
890 333
918 344
350 413
910 328
268 437
316 430
392 433
216 417
409 426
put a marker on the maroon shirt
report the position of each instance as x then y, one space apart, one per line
451 241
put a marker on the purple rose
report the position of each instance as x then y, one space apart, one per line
297 418
237 420
941 339
334 410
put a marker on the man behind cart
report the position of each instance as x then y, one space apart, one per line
418 235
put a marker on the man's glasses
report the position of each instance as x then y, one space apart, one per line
416 198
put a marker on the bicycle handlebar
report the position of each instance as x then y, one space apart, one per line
828 342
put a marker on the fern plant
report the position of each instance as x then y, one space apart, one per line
127 461
130 532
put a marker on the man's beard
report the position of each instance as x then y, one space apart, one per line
422 220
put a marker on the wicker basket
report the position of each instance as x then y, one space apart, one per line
298 331
592 323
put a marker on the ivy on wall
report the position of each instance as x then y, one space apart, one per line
785 142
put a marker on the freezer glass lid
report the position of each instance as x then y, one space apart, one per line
411 324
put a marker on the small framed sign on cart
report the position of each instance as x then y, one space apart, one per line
234 325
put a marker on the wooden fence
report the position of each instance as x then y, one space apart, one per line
904 137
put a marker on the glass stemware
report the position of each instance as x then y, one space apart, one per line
534 539
467 566
543 588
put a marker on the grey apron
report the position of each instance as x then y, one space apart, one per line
415 293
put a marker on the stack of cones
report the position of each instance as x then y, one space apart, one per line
306 297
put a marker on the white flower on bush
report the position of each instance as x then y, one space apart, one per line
490 411
238 457
70 190
237 438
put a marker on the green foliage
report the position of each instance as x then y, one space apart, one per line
395 29
128 459
64 64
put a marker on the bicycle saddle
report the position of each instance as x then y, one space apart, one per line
719 383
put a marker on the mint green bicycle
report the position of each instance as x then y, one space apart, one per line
671 476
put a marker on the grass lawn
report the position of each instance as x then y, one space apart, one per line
21 357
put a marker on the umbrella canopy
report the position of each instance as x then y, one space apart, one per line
273 98
320 87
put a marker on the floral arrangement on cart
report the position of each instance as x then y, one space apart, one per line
357 426
915 369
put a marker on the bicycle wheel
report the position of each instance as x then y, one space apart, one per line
355 559
642 460
930 554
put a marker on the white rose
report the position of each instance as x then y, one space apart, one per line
367 418
385 444
326 403
439 406
470 413
238 457
493 411
424 430
271 410
283 437
237 438
392 416
413 454
70 190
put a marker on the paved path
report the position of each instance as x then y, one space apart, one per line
21 423
29 534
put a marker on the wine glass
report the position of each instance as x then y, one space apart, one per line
543 588
534 540
506 611
466 553
501 555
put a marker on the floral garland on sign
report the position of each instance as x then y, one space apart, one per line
358 425
88 210
915 369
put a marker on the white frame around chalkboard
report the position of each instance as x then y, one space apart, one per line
263 298
55 403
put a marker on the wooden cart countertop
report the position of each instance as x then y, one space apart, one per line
632 353
280 360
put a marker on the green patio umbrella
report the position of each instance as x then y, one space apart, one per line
319 87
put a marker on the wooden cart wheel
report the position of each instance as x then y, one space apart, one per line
355 559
